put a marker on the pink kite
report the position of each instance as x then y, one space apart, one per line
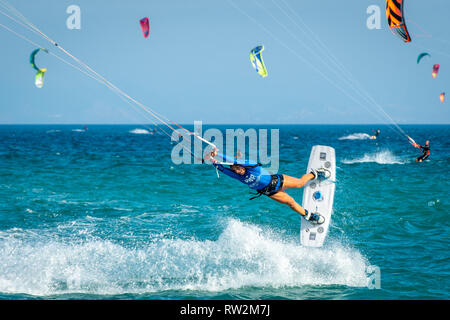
145 26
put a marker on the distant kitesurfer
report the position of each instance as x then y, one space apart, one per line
425 151
376 134
273 186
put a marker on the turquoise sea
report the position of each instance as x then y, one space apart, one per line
105 214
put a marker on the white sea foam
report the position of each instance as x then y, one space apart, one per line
140 131
382 157
243 255
78 130
356 136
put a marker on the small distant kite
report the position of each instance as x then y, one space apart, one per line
39 79
442 96
396 19
423 54
435 71
145 26
257 61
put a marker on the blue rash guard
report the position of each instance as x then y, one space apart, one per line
256 177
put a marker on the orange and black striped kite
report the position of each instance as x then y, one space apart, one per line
396 19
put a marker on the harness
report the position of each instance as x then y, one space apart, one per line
426 151
270 188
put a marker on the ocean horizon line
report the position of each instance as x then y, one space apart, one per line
224 124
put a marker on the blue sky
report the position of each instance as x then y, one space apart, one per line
195 64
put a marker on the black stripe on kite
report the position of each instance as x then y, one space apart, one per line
392 13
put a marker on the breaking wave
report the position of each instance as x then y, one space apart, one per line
243 255
356 136
140 131
382 157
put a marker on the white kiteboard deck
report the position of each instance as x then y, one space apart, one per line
318 196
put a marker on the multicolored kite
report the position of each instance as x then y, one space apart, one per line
257 61
396 19
442 96
435 71
39 79
145 26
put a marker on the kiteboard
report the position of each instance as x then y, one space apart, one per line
318 196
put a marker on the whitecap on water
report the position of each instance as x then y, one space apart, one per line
356 136
382 157
140 131
243 255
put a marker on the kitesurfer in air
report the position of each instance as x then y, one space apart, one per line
425 151
273 186
376 133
